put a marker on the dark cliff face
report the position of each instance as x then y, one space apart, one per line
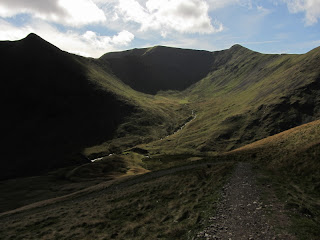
50 110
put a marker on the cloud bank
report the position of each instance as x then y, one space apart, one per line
66 12
183 16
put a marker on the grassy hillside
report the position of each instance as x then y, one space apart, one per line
173 206
155 116
56 104
165 152
290 161
247 96
177 204
294 153
61 109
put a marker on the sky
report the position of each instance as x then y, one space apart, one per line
93 27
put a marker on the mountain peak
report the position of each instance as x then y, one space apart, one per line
33 41
33 36
237 47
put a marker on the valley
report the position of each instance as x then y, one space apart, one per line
142 144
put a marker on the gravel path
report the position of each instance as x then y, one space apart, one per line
240 212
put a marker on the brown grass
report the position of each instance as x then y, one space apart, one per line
291 160
169 207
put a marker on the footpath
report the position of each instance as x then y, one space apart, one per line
241 214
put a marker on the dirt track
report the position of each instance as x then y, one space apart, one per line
240 213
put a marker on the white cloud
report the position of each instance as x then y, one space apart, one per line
121 39
10 8
89 44
67 12
310 7
10 32
81 12
166 16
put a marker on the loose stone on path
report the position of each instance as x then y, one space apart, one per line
240 213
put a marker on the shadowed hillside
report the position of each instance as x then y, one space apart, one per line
57 104
50 110
59 107
150 70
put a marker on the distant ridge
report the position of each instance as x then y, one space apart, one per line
160 68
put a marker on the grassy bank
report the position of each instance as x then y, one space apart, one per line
290 162
170 207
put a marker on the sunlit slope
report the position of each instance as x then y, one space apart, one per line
291 162
284 148
248 96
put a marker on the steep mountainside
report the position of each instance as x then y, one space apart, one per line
56 104
248 96
150 70
50 110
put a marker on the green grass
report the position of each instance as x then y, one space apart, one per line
175 206
158 162
249 97
240 96
19 192
155 116
93 112
290 163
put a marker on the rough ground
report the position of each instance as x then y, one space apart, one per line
241 214
104 188
107 211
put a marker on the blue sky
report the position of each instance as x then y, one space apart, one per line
94 27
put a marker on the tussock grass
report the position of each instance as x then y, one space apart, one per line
19 192
170 207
